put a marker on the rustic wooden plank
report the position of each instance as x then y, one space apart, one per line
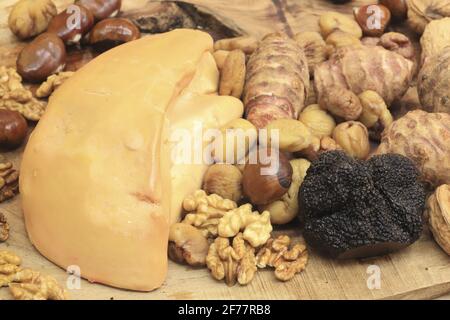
420 271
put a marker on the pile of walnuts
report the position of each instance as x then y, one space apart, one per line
231 241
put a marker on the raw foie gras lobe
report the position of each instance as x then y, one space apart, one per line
95 181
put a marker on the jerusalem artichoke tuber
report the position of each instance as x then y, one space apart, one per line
357 69
277 81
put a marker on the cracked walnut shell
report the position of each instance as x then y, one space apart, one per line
288 259
234 263
31 17
438 213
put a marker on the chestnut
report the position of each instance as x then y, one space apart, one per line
112 32
70 28
102 9
398 8
42 57
373 19
13 129
261 186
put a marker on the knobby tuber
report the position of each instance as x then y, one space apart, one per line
353 70
277 81
357 208
434 82
424 138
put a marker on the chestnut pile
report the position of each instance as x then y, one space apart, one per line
87 22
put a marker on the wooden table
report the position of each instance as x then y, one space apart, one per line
421 271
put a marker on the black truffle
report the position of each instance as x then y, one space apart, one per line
355 208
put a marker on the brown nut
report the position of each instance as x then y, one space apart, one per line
292 135
41 58
398 8
267 176
236 138
341 102
375 115
232 77
220 56
333 21
31 17
102 9
318 121
112 32
13 129
438 214
247 44
353 137
339 39
373 19
72 24
187 244
398 43
224 180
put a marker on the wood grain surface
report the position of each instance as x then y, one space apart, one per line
421 271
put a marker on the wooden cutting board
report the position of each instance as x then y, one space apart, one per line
420 271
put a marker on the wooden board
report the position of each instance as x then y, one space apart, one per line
420 271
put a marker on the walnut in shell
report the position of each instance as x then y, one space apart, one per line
435 38
422 12
438 213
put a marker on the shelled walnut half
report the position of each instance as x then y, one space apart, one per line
256 227
27 284
9 181
52 83
4 228
233 262
14 96
287 258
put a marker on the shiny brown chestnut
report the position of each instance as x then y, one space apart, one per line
42 57
13 129
267 179
398 8
373 19
72 24
102 9
112 32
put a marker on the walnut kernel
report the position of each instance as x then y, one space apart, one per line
4 228
52 83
